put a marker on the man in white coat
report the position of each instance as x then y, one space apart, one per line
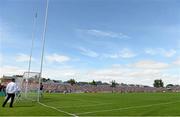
11 90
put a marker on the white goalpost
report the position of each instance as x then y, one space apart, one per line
43 45
30 83
29 86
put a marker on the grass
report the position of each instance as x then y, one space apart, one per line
99 104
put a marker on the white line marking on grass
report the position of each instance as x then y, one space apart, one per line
125 108
57 109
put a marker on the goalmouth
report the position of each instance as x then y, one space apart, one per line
29 86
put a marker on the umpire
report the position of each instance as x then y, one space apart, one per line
11 89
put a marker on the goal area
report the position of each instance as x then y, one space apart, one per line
29 86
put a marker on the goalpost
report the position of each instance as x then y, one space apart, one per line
30 83
29 86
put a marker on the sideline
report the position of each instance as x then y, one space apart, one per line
125 108
71 114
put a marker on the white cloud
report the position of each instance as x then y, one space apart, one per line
100 33
88 52
11 70
142 72
124 53
61 73
57 58
23 58
169 53
149 64
160 51
53 73
177 62
150 51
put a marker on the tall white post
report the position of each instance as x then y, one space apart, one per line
31 51
43 45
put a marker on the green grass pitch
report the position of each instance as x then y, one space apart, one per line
98 104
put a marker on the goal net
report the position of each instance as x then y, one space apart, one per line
29 86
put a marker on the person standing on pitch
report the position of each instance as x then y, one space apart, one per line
41 89
11 89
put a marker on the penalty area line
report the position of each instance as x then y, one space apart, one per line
126 108
71 114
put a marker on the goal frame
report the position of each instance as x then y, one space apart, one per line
27 86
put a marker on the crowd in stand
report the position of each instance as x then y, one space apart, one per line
59 88
84 87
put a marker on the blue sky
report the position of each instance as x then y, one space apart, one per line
130 41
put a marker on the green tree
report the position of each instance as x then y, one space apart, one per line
169 85
71 81
94 83
158 83
113 85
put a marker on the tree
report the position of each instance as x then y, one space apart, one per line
169 85
45 79
158 83
93 83
99 82
71 81
113 85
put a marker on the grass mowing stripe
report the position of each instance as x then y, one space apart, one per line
86 105
132 107
134 104
71 114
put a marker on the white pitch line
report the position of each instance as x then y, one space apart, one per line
132 107
71 114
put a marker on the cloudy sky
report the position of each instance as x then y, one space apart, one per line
130 41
